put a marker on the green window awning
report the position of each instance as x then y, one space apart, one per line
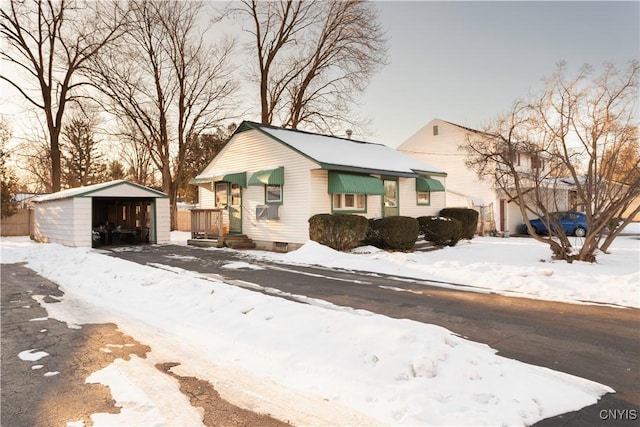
428 184
239 178
346 183
268 177
197 180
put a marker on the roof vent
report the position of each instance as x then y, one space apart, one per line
349 132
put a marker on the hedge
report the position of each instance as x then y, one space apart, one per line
398 233
442 231
340 232
468 218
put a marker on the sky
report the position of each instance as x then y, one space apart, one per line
466 62
317 363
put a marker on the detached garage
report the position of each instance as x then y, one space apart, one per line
111 213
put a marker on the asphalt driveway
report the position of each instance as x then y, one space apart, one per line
591 341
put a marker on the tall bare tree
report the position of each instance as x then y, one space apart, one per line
167 83
314 59
568 129
47 44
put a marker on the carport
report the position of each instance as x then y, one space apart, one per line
110 213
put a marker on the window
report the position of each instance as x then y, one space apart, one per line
349 202
435 130
535 162
221 195
273 193
424 197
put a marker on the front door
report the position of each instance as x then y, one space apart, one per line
390 200
235 209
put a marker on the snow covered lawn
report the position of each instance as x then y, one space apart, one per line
516 266
327 365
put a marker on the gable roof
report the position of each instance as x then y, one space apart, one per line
336 153
91 189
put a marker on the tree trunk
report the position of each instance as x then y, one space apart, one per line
56 170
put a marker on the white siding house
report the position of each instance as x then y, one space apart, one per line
121 210
441 143
270 181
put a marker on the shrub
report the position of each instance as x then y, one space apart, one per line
340 232
397 233
468 218
442 231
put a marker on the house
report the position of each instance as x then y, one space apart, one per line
109 213
442 142
269 181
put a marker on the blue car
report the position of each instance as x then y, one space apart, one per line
573 224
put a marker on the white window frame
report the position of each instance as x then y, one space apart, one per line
342 199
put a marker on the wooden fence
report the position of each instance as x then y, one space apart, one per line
184 221
20 224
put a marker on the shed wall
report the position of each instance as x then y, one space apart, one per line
162 221
66 221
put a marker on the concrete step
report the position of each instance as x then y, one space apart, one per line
238 241
241 245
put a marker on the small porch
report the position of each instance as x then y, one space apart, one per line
208 230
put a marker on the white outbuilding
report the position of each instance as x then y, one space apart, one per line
110 213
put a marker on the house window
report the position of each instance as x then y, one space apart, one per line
349 202
424 198
535 162
273 193
435 130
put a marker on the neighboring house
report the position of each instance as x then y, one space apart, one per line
109 213
269 181
442 142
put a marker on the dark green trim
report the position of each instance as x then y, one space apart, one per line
268 177
345 183
428 184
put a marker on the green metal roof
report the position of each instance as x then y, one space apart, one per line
268 177
346 183
428 184
239 178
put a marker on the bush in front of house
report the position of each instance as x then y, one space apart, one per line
441 231
340 232
468 218
396 233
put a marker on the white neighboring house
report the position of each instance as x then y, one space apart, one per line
108 213
442 142
269 181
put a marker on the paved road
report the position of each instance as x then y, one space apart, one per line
595 342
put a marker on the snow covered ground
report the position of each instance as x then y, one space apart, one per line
319 364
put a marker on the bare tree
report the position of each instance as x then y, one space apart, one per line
49 42
567 130
314 59
167 84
